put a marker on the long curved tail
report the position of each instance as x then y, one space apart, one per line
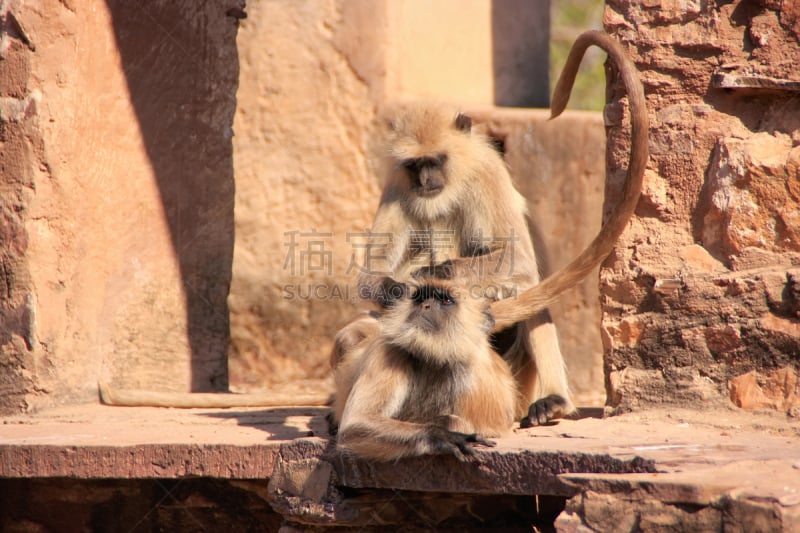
512 310
187 400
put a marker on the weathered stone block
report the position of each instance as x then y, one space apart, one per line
754 195
117 204
716 223
779 390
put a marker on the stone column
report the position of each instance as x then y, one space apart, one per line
116 174
701 298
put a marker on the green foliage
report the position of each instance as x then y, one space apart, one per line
568 19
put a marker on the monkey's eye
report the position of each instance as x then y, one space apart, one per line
433 293
411 164
443 297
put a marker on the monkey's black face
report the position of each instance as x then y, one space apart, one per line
433 306
426 174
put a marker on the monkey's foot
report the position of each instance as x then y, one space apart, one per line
544 410
457 444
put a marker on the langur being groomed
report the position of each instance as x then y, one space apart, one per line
445 178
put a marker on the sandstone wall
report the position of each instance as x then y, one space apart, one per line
117 197
313 76
302 127
558 166
118 160
700 299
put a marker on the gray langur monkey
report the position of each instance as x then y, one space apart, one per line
446 180
428 381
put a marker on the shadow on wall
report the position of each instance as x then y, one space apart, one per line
182 69
520 52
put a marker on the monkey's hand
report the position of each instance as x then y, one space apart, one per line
443 270
458 444
544 410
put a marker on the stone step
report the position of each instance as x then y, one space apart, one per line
654 467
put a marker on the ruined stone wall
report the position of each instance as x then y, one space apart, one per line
302 127
118 156
117 197
701 298
313 76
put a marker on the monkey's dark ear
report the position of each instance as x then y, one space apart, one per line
391 124
498 143
463 122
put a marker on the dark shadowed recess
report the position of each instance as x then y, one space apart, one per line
182 69
521 51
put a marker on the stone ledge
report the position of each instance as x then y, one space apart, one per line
677 459
741 496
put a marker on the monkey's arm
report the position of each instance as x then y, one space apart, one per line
386 439
500 266
496 252
368 430
499 273
188 400
384 252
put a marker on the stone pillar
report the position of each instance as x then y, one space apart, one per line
701 298
520 52
116 231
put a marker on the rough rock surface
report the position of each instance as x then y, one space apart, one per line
673 470
116 230
700 295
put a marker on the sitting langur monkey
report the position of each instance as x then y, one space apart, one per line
449 201
428 382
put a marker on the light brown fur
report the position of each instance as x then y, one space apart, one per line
427 383
477 208
478 201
